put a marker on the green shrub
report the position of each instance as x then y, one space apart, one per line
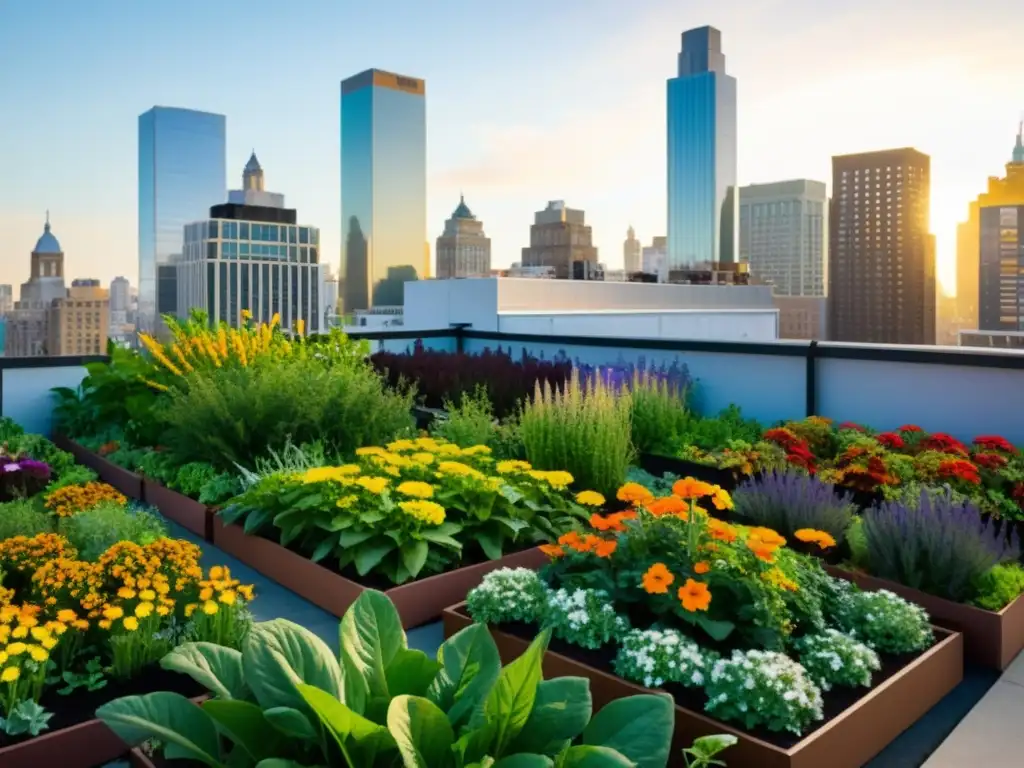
199 480
77 475
23 517
999 587
470 421
95 530
659 415
712 433
584 429
159 465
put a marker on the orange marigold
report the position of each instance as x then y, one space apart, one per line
657 579
552 550
720 531
701 567
606 548
670 505
71 499
691 488
695 596
634 493
823 539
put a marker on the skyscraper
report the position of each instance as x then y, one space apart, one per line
182 172
631 252
383 187
463 250
783 235
702 220
559 238
881 273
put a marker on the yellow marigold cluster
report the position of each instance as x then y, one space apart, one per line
70 499
25 555
428 512
173 562
219 589
328 474
67 582
24 638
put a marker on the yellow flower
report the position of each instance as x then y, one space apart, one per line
557 480
422 457
206 593
16 649
300 327
142 610
190 609
10 674
346 501
66 615
39 633
104 623
49 643
3 657
327 474
20 633
150 595
370 450
374 485
428 512
508 467
210 608
402 445
448 449
131 623
126 593
227 597
38 654
113 612
458 469
246 591
590 499
162 610
416 489
477 450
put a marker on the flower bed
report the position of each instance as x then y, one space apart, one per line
127 482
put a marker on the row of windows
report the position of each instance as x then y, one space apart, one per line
257 232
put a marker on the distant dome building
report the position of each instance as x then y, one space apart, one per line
27 324
463 250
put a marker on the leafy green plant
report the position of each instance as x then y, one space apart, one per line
27 717
93 531
713 432
23 517
659 416
999 586
287 701
199 480
76 475
584 429
158 465
91 678
470 421
703 751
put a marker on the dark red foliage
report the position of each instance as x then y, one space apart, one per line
890 440
959 469
995 443
441 376
910 428
940 441
993 461
851 425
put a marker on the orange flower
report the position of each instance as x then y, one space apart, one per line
609 523
589 543
701 567
721 498
619 517
570 539
695 596
670 505
721 531
823 539
768 536
634 493
606 548
657 579
552 550
690 488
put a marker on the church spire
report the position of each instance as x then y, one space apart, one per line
1018 149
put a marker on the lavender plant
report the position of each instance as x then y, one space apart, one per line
943 546
787 501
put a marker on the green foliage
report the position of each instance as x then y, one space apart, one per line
91 678
659 486
584 429
285 700
23 517
659 417
885 622
712 433
93 531
39 448
128 457
228 416
199 480
703 750
158 465
27 718
999 586
76 475
10 430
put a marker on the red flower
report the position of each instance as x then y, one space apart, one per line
993 461
890 439
959 469
851 425
943 443
800 456
782 437
994 443
910 428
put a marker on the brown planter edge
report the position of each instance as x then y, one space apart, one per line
991 639
128 483
185 511
139 759
847 741
85 745
418 602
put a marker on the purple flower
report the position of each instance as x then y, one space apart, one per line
37 469
12 467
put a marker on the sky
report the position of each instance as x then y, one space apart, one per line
527 101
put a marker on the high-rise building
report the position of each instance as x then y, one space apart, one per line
6 298
702 220
1001 268
182 172
255 258
122 319
654 258
559 237
881 275
631 252
985 265
120 295
784 235
383 187
27 323
79 322
463 250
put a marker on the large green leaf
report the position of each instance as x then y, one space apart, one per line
186 731
370 553
490 542
414 556
291 722
640 727
473 745
470 665
277 762
560 714
524 760
410 673
371 636
510 701
422 732
589 756
216 668
358 739
244 723
278 655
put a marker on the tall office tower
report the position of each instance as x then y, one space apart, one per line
120 295
79 322
881 275
655 258
182 172
383 187
702 218
784 235
988 272
255 258
559 237
631 252
6 298
27 323
463 250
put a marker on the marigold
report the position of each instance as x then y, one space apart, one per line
634 493
416 489
552 550
823 539
691 488
720 531
590 499
606 548
701 568
657 579
10 674
428 512
512 466
694 595
458 469
373 484
669 505
71 499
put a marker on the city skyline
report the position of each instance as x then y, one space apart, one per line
505 135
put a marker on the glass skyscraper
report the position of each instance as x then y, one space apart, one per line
702 196
182 172
383 187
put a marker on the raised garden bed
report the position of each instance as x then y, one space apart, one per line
186 512
77 739
417 602
128 483
991 639
849 738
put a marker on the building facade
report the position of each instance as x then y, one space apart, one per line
182 172
27 323
654 258
702 199
784 235
881 277
559 238
1001 268
383 187
631 261
802 317
463 250
79 323
6 298
255 258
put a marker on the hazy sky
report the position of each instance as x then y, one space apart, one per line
527 101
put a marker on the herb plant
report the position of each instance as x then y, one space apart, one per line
93 531
790 501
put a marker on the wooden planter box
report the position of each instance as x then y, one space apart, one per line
991 639
128 483
139 759
186 512
418 602
849 740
